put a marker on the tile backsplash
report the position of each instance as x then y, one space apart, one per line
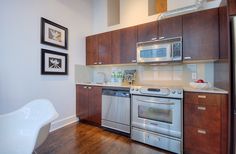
166 75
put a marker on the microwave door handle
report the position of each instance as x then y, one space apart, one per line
150 101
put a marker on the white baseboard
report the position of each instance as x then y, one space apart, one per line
63 122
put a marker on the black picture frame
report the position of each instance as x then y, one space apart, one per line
52 43
45 62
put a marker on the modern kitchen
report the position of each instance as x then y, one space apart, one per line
163 83
118 77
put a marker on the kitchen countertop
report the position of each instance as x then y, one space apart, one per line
210 90
187 89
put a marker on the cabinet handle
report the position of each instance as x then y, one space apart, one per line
160 38
154 38
100 63
186 58
85 87
95 63
201 96
89 87
201 131
201 108
134 61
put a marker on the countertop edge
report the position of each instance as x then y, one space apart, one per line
187 89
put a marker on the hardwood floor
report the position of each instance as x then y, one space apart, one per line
81 138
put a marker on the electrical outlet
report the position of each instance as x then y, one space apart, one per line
194 76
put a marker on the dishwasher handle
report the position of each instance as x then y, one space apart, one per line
116 93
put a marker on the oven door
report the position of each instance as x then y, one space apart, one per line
154 53
160 115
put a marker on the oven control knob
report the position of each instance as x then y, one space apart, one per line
173 92
132 89
136 89
179 92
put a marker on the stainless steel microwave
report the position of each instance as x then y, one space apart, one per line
164 50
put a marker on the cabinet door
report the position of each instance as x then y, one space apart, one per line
224 32
205 123
115 47
104 48
170 27
201 141
201 35
128 40
95 100
92 50
82 102
232 7
147 31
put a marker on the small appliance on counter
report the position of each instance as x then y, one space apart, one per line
117 76
130 76
100 77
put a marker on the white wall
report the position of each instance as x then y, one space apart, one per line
20 48
133 12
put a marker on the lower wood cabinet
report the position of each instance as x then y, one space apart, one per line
232 7
205 123
88 103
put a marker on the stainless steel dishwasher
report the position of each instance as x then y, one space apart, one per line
116 109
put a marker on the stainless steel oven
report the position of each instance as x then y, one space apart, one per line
161 115
157 117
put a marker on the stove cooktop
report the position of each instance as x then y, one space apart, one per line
157 91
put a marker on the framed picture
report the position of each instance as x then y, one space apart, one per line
53 63
53 34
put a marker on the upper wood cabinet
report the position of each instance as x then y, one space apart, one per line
170 27
232 7
92 50
224 32
201 35
147 31
128 40
115 47
104 48
204 36
98 49
88 103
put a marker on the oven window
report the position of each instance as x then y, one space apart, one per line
153 53
156 114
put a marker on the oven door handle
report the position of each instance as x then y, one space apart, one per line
150 101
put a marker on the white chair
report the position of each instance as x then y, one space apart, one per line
25 129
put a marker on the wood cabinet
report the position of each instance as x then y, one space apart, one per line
104 48
224 32
98 49
204 38
201 35
205 123
115 47
165 28
148 31
92 50
88 103
170 27
128 40
232 7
